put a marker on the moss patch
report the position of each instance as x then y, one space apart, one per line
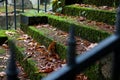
3 36
96 70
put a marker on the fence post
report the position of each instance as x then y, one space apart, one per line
1 0
6 11
71 52
15 14
116 55
38 5
71 47
45 5
22 6
12 70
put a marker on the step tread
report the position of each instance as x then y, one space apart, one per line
90 23
62 37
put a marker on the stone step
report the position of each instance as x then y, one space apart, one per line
92 13
97 29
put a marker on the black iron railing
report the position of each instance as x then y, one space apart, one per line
1 0
6 8
12 71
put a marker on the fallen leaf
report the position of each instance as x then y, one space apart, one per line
5 46
2 74
47 70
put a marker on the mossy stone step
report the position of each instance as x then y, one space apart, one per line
91 13
86 32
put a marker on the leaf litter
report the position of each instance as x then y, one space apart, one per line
39 53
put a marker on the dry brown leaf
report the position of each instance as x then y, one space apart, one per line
21 38
5 46
47 70
10 33
2 74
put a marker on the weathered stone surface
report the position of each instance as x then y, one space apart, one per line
1 4
27 4
10 21
106 66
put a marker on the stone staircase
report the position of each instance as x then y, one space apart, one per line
92 22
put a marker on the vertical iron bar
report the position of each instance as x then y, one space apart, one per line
12 70
118 21
116 55
22 6
71 47
38 5
45 5
6 3
15 14
71 51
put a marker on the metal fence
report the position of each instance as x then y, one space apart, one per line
76 65
22 8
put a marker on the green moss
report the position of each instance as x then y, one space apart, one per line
2 33
93 72
3 36
99 15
